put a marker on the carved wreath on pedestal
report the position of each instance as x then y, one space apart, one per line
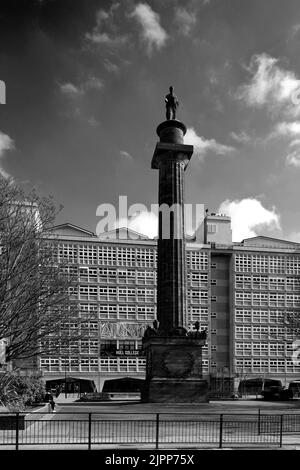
177 363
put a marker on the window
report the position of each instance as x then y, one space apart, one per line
108 346
197 260
197 279
211 228
243 263
127 345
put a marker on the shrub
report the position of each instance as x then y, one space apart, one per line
17 392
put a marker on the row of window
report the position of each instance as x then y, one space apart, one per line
112 293
263 349
129 312
264 316
96 275
276 264
259 332
267 299
93 364
267 283
264 365
106 255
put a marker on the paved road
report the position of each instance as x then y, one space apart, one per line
113 424
237 407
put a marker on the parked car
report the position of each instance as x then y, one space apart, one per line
294 388
275 391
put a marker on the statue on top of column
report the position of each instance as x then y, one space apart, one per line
172 104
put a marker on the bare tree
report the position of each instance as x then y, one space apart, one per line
34 287
292 323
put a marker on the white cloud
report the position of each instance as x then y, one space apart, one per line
126 156
293 159
93 83
6 143
74 91
144 222
286 129
92 121
152 32
185 20
270 86
294 237
70 89
241 137
294 31
294 143
202 145
105 20
290 130
110 66
248 216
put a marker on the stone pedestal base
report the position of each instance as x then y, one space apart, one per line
174 370
175 391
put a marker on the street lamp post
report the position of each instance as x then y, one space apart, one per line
66 378
99 354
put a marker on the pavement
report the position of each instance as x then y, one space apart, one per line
213 407
68 410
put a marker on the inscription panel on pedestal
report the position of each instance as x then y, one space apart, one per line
177 363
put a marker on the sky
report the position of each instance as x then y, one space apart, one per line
85 85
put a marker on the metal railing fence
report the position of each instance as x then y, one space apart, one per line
153 429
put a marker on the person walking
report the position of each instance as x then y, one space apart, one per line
52 404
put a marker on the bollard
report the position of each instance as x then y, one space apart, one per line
90 431
281 426
221 432
17 431
157 431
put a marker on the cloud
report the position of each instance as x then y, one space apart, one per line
202 146
6 144
126 156
74 91
289 130
110 66
241 137
92 83
105 30
286 129
70 89
270 86
294 237
144 222
295 143
152 32
185 20
293 158
92 121
294 31
248 216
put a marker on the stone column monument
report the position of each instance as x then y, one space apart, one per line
174 356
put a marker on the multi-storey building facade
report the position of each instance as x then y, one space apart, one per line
241 292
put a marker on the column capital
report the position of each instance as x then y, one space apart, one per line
171 152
